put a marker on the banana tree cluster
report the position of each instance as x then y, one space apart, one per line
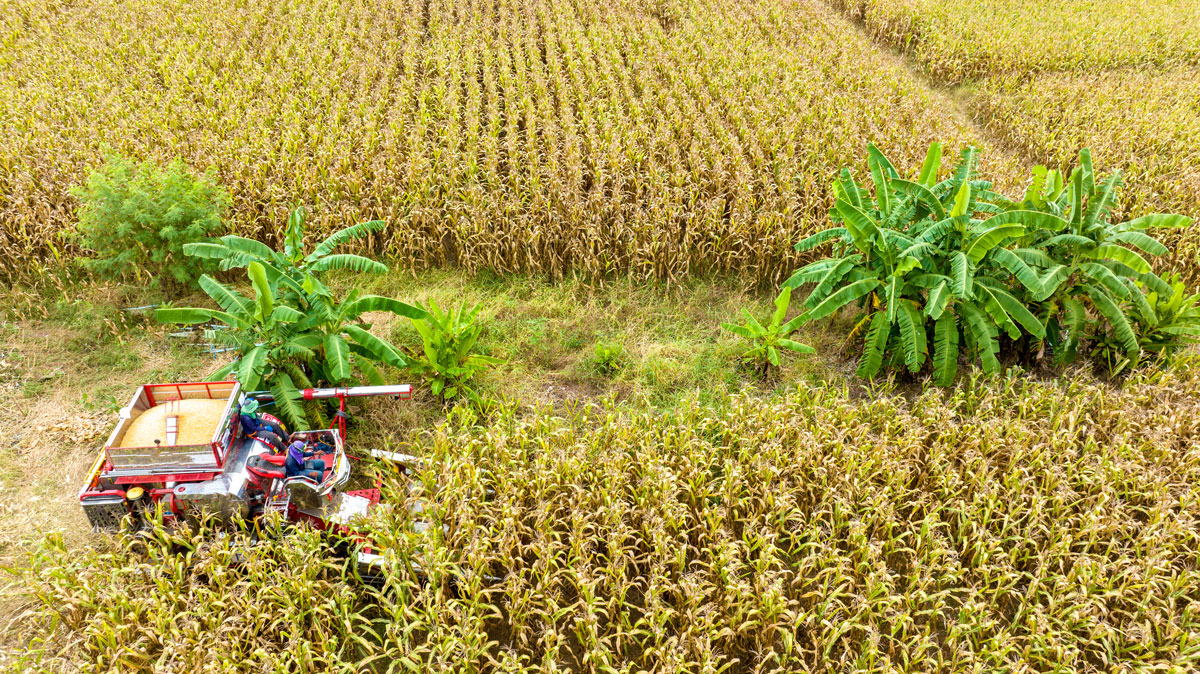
949 266
293 333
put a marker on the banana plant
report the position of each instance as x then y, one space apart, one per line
293 270
913 254
282 348
1164 323
1092 269
766 341
953 263
445 358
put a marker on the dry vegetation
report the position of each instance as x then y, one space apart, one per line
1144 122
1047 79
540 135
962 41
665 517
1008 525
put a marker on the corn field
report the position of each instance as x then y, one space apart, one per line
1145 122
964 41
1006 525
654 138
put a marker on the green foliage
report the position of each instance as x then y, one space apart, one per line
293 270
1163 323
1094 272
294 333
446 359
608 358
140 217
766 341
943 268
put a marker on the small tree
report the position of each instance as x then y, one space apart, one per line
137 218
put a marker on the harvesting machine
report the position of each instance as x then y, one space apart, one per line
180 447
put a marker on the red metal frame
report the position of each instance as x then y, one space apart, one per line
218 455
159 495
171 477
109 492
372 495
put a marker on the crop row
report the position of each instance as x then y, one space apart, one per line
968 40
1007 525
1145 122
538 135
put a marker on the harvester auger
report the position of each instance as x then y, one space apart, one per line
180 448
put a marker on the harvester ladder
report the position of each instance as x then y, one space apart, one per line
279 500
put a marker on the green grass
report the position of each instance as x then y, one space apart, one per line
547 334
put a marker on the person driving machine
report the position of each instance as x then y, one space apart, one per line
299 462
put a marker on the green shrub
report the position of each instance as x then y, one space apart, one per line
294 333
137 218
946 267
608 358
445 359
766 341
1093 271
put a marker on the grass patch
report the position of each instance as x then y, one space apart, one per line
548 333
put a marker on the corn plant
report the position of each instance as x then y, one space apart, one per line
1007 37
718 170
768 341
446 359
817 530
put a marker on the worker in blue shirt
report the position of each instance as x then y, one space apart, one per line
299 462
254 426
